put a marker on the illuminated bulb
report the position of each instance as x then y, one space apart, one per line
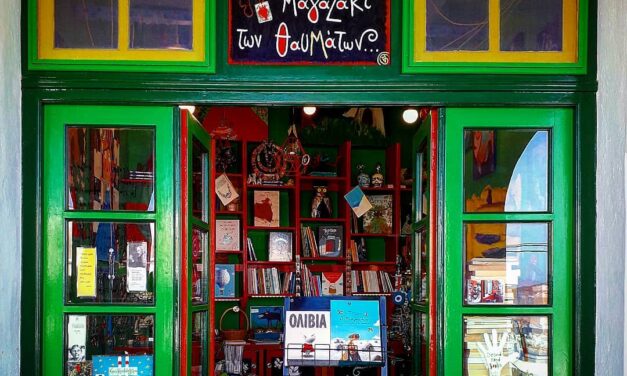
191 109
309 110
410 116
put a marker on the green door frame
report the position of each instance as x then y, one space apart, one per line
558 217
581 100
54 229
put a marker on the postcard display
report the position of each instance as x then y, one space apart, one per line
319 234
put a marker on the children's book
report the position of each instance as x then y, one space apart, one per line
332 283
330 241
280 246
225 281
227 235
266 208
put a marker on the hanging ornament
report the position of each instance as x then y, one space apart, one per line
268 162
295 155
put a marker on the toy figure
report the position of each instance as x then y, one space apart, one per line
321 204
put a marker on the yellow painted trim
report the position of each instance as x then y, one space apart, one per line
123 52
494 29
570 41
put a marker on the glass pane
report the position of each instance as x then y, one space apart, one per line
531 25
506 170
422 189
421 269
86 24
422 343
507 263
97 344
110 168
457 25
508 345
200 193
199 343
161 24
110 263
199 266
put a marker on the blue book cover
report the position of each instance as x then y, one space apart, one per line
113 365
356 331
267 322
358 201
225 281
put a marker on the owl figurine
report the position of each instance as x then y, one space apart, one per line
321 203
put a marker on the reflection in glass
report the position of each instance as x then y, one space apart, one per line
199 343
200 182
86 24
506 170
518 344
96 343
457 25
421 267
110 168
161 24
507 263
421 329
199 266
110 262
531 25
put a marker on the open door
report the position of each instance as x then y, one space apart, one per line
424 295
196 295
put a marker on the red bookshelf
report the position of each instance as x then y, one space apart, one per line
297 197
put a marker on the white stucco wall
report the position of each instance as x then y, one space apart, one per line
10 186
611 126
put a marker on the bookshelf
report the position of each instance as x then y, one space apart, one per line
374 268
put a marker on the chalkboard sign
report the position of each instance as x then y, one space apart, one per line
317 32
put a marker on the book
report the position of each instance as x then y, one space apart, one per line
225 281
252 255
378 220
356 331
358 201
266 323
280 246
266 208
332 283
330 241
227 235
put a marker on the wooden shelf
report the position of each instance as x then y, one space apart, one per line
371 294
228 252
374 263
264 228
368 235
271 263
270 296
323 220
228 299
228 212
322 258
378 190
270 187
324 178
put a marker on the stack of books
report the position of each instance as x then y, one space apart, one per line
486 279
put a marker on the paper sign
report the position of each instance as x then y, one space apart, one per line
86 275
76 337
136 261
225 190
358 201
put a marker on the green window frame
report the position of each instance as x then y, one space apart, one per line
56 119
560 308
43 55
572 59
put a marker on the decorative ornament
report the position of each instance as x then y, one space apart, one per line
295 155
321 203
377 177
268 162
225 157
362 178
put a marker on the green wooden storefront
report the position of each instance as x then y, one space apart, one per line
557 98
